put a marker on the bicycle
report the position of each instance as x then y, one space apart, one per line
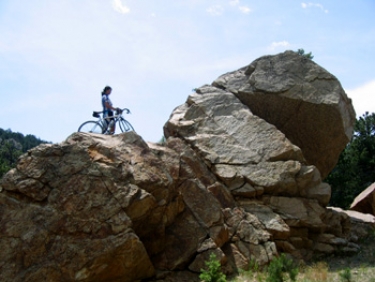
103 125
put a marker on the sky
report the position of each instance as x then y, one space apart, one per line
56 56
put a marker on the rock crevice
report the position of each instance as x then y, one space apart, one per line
240 176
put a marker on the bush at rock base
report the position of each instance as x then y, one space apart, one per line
279 267
213 273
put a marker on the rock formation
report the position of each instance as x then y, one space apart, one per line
301 99
365 201
228 181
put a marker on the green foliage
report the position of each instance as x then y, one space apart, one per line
278 269
252 269
355 169
306 55
213 273
253 265
346 275
162 141
13 145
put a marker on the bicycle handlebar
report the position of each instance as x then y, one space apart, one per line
118 111
124 110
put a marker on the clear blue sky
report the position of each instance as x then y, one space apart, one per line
56 56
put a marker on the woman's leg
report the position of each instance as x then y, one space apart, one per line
113 127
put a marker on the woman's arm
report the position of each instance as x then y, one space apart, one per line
109 106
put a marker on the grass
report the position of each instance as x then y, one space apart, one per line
317 272
358 267
333 268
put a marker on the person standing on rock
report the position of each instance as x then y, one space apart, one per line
108 107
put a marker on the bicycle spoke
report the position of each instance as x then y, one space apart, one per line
125 126
91 127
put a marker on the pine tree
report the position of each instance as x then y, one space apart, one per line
306 55
355 169
12 146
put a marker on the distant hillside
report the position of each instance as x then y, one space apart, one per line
12 145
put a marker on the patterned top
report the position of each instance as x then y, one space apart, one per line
105 99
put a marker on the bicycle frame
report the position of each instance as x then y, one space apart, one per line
104 121
100 126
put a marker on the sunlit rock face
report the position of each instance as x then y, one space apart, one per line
301 99
236 178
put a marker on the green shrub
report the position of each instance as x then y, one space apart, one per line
346 275
213 273
253 265
162 141
253 272
276 271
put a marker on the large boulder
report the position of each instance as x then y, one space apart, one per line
234 179
114 208
64 218
248 154
301 99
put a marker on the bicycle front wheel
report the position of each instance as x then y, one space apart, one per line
125 126
91 127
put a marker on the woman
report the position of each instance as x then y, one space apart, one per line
108 107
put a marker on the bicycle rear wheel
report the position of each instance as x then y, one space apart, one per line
91 127
125 126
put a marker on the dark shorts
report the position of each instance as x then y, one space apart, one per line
108 114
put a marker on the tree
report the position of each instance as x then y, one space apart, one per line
355 169
301 52
9 153
162 141
12 146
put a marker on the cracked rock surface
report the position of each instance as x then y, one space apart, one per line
233 179
302 99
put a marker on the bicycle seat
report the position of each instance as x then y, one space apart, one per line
96 114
